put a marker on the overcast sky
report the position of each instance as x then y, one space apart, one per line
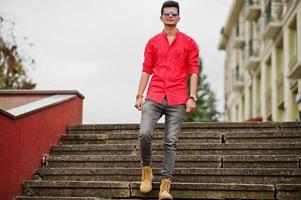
96 47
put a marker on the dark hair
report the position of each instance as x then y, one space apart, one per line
170 4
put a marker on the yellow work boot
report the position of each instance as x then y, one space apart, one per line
146 180
164 189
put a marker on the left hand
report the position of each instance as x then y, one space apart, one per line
190 105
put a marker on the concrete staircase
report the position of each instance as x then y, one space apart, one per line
214 161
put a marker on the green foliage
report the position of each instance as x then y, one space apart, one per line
12 64
206 105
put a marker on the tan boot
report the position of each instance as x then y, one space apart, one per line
164 189
146 180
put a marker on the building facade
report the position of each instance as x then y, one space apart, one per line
262 42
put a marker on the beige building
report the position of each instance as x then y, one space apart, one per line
262 42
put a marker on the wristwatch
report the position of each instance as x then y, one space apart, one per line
193 98
138 96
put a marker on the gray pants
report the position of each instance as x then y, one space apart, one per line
174 117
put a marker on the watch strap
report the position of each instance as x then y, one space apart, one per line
138 96
193 98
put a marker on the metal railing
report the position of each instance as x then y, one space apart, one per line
252 48
292 61
237 73
293 83
237 32
251 2
237 76
272 11
238 29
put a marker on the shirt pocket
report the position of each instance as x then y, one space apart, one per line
179 57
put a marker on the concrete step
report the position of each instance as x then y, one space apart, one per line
206 130
214 161
188 137
227 191
193 175
130 138
127 161
191 127
183 149
76 189
159 132
131 189
260 161
263 137
55 198
97 149
182 161
288 191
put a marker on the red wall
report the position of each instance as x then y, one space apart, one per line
24 141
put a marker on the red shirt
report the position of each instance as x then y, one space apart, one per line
170 66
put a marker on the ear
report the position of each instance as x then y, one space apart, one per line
161 18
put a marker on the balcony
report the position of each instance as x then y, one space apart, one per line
293 83
280 89
239 40
273 19
237 80
268 101
252 9
252 55
294 68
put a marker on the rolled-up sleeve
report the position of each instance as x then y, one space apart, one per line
193 58
148 63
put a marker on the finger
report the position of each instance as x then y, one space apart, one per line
140 106
137 106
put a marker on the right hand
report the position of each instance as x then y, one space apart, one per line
139 104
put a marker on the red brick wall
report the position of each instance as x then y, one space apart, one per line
24 141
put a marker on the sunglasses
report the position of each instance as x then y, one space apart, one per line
167 14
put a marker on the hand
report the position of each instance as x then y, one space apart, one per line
139 104
190 105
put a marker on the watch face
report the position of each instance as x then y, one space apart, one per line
193 98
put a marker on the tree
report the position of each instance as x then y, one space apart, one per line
206 105
12 62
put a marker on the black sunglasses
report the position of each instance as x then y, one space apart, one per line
167 14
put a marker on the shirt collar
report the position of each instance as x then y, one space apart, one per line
164 34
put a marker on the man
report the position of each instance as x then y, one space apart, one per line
169 57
